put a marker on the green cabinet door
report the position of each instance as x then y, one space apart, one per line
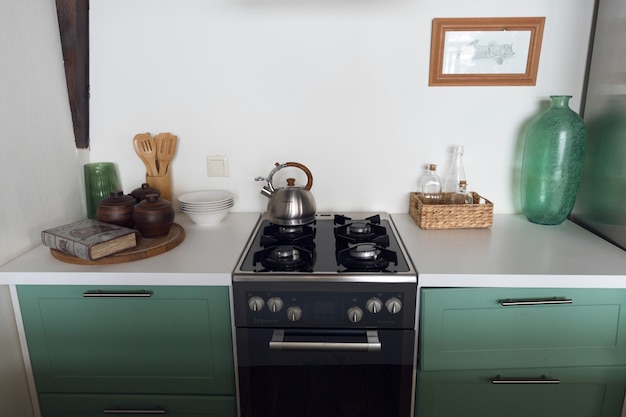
73 405
156 340
581 392
470 328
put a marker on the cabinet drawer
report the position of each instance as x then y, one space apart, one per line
597 392
159 340
59 405
470 328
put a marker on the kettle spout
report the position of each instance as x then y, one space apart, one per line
266 191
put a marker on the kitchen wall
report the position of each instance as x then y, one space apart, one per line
39 165
341 86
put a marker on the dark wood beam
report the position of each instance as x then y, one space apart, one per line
73 16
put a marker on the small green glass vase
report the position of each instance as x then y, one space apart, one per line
554 154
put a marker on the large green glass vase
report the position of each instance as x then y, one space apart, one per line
552 163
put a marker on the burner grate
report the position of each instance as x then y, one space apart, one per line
285 258
366 257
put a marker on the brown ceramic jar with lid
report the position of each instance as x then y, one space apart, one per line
116 209
141 192
154 216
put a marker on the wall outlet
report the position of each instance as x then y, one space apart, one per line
217 166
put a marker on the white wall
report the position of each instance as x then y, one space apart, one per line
340 86
39 166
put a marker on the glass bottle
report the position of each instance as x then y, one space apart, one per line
431 186
552 163
456 172
462 196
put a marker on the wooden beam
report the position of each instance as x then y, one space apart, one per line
73 17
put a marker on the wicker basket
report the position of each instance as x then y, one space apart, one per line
451 216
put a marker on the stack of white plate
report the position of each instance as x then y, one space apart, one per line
207 207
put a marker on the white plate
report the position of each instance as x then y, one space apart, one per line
192 210
206 197
207 205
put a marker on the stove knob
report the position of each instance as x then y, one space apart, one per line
275 304
393 305
294 313
374 305
256 303
355 314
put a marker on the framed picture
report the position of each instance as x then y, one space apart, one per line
485 51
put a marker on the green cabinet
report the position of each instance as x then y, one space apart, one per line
162 341
521 352
68 405
481 328
584 392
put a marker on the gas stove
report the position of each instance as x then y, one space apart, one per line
335 247
333 300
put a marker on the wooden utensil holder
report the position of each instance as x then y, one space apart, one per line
163 184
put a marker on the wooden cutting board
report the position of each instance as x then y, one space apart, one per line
145 248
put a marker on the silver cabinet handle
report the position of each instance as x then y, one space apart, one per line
129 294
541 380
535 301
372 345
118 410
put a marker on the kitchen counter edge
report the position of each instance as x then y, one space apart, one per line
206 257
513 253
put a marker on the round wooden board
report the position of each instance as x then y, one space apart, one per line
145 248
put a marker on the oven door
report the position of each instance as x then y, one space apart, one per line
325 372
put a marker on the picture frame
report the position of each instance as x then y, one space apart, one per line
490 51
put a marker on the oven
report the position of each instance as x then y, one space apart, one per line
325 320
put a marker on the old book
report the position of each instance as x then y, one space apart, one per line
90 239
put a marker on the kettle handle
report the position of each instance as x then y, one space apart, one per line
309 176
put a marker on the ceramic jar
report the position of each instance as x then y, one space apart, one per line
153 217
141 192
116 209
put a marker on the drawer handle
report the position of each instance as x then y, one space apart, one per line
129 294
541 380
535 301
118 410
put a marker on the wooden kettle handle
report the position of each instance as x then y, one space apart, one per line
309 176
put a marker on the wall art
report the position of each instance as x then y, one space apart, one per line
485 51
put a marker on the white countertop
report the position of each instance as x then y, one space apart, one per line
207 256
513 253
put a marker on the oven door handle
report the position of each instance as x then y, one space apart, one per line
371 345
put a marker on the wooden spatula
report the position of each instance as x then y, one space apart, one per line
166 147
146 149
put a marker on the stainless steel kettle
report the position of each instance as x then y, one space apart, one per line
290 205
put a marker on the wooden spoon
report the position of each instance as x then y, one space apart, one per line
166 146
146 149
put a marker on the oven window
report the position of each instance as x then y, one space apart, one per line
330 383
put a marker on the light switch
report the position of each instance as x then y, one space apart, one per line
217 166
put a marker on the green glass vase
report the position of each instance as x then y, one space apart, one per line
554 154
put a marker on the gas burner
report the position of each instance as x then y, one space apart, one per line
366 257
285 258
296 235
361 231
341 219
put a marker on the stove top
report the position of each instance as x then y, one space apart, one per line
354 247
